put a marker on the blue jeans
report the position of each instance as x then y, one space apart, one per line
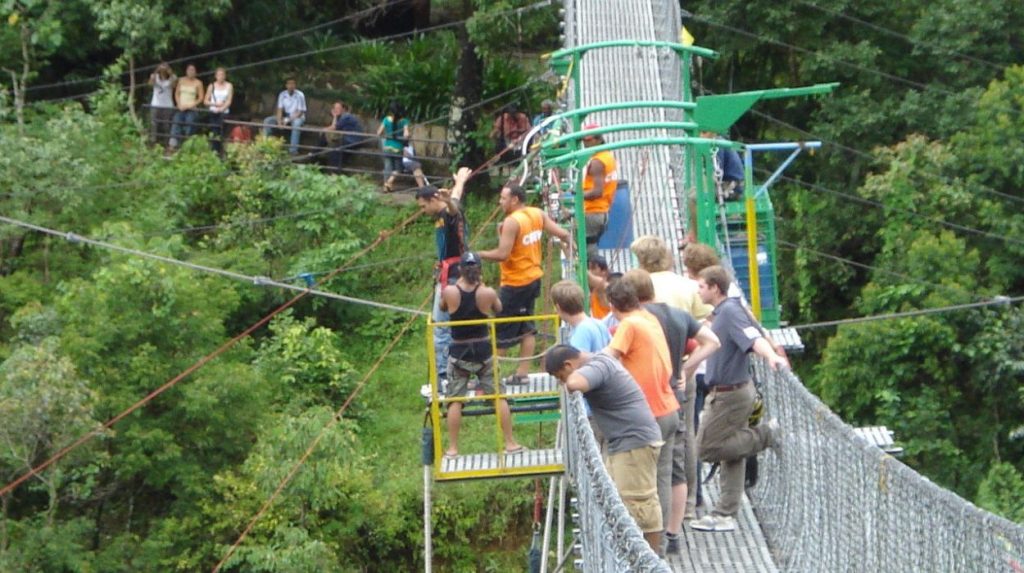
270 122
184 124
442 334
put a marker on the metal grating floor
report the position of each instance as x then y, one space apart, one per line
741 551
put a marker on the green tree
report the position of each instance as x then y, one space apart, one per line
30 33
147 28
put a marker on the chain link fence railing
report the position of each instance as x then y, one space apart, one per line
611 540
834 502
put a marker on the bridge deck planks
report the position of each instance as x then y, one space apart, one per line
741 551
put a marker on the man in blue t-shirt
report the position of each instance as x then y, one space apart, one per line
588 334
451 235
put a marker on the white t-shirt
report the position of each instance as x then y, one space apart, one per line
291 103
163 92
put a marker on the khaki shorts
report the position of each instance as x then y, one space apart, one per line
635 474
460 372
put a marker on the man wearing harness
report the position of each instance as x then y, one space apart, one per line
450 234
725 435
470 352
518 251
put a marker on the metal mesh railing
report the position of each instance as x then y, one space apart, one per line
611 540
834 502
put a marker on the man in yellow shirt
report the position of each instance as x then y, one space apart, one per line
599 184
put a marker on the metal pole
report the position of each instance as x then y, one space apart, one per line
428 542
547 525
755 279
561 514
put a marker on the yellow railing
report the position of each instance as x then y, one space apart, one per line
500 466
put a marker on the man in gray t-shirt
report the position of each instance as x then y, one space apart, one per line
725 435
621 412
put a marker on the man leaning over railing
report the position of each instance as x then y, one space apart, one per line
632 436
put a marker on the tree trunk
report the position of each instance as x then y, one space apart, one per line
421 13
469 86
131 90
3 523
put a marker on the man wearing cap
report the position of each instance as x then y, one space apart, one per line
450 235
470 352
518 251
599 184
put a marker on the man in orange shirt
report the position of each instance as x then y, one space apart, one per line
599 184
518 251
640 344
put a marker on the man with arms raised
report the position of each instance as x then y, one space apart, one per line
450 235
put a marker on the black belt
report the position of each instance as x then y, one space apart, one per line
728 387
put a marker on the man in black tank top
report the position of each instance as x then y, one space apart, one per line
471 351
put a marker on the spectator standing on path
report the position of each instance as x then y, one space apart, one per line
641 346
519 252
547 107
343 133
289 111
394 134
450 232
631 433
725 435
508 130
188 94
599 185
678 327
161 106
218 101
470 299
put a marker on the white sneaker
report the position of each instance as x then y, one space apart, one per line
711 522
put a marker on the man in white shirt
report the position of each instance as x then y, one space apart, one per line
290 110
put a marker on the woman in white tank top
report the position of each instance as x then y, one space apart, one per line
218 100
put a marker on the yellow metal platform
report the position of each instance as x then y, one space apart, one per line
527 463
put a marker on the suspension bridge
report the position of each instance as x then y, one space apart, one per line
834 500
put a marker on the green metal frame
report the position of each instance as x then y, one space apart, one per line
707 114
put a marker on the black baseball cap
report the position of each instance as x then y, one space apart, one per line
470 258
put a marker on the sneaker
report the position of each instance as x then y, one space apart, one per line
672 547
775 437
711 522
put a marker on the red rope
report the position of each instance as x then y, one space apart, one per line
338 415
316 441
384 235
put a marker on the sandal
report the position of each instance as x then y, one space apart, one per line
514 451
451 456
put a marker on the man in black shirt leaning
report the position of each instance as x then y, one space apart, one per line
451 235
678 326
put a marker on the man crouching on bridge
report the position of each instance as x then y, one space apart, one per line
632 436
725 435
